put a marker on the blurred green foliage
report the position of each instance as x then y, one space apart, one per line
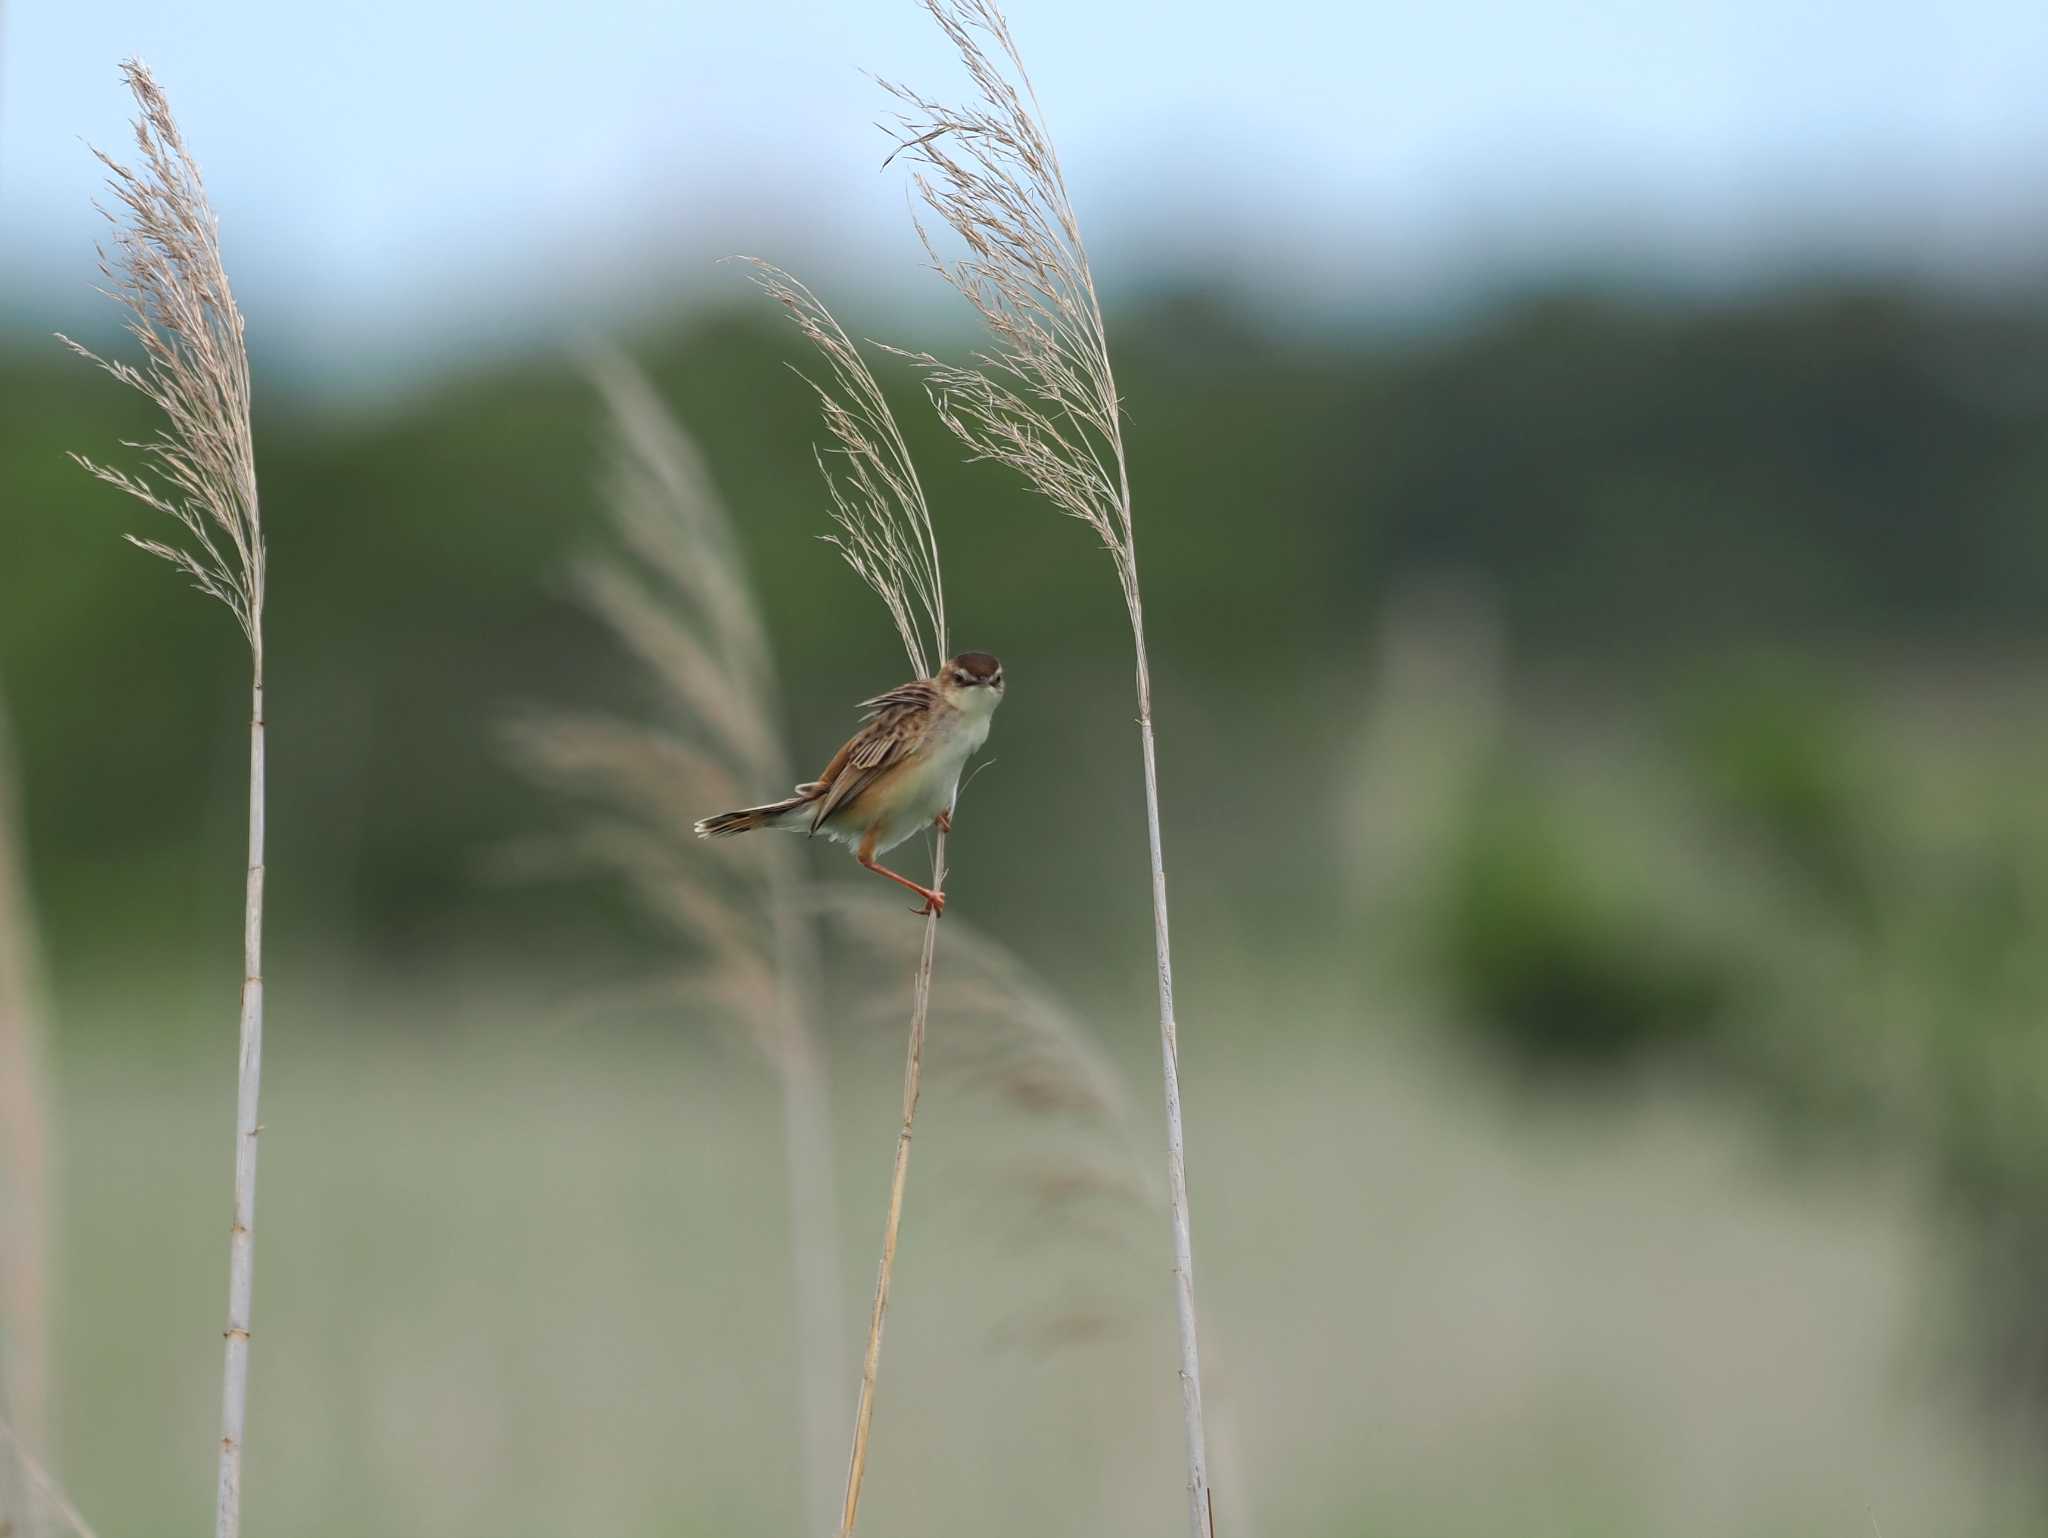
1826 896
1635 485
1542 950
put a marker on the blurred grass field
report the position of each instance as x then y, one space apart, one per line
522 1272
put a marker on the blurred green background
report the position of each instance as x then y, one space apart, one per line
1603 746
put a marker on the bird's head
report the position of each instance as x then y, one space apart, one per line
972 681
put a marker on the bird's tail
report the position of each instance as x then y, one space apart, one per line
725 824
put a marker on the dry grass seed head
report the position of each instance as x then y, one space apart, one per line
1043 399
669 516
878 503
165 270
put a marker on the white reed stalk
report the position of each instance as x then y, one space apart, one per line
1044 401
200 470
234 1413
1201 1519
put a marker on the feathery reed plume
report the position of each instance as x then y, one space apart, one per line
678 597
24 1162
886 535
200 470
1043 401
885 525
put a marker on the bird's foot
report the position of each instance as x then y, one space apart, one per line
934 904
943 822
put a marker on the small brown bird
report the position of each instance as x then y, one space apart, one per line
897 774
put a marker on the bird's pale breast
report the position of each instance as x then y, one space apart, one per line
905 802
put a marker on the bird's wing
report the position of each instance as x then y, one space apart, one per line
898 723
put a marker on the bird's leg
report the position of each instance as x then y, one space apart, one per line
934 902
944 821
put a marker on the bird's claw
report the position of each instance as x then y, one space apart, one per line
934 905
943 822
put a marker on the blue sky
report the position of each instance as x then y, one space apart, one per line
400 175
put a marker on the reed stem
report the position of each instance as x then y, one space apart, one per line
913 1075
1201 1518
241 1235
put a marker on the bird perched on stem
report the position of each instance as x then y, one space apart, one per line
898 774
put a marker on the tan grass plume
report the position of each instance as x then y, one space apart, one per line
884 524
166 272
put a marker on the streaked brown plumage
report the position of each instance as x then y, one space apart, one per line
897 775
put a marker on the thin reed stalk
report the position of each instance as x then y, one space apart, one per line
24 1166
887 537
200 470
1043 400
892 1224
